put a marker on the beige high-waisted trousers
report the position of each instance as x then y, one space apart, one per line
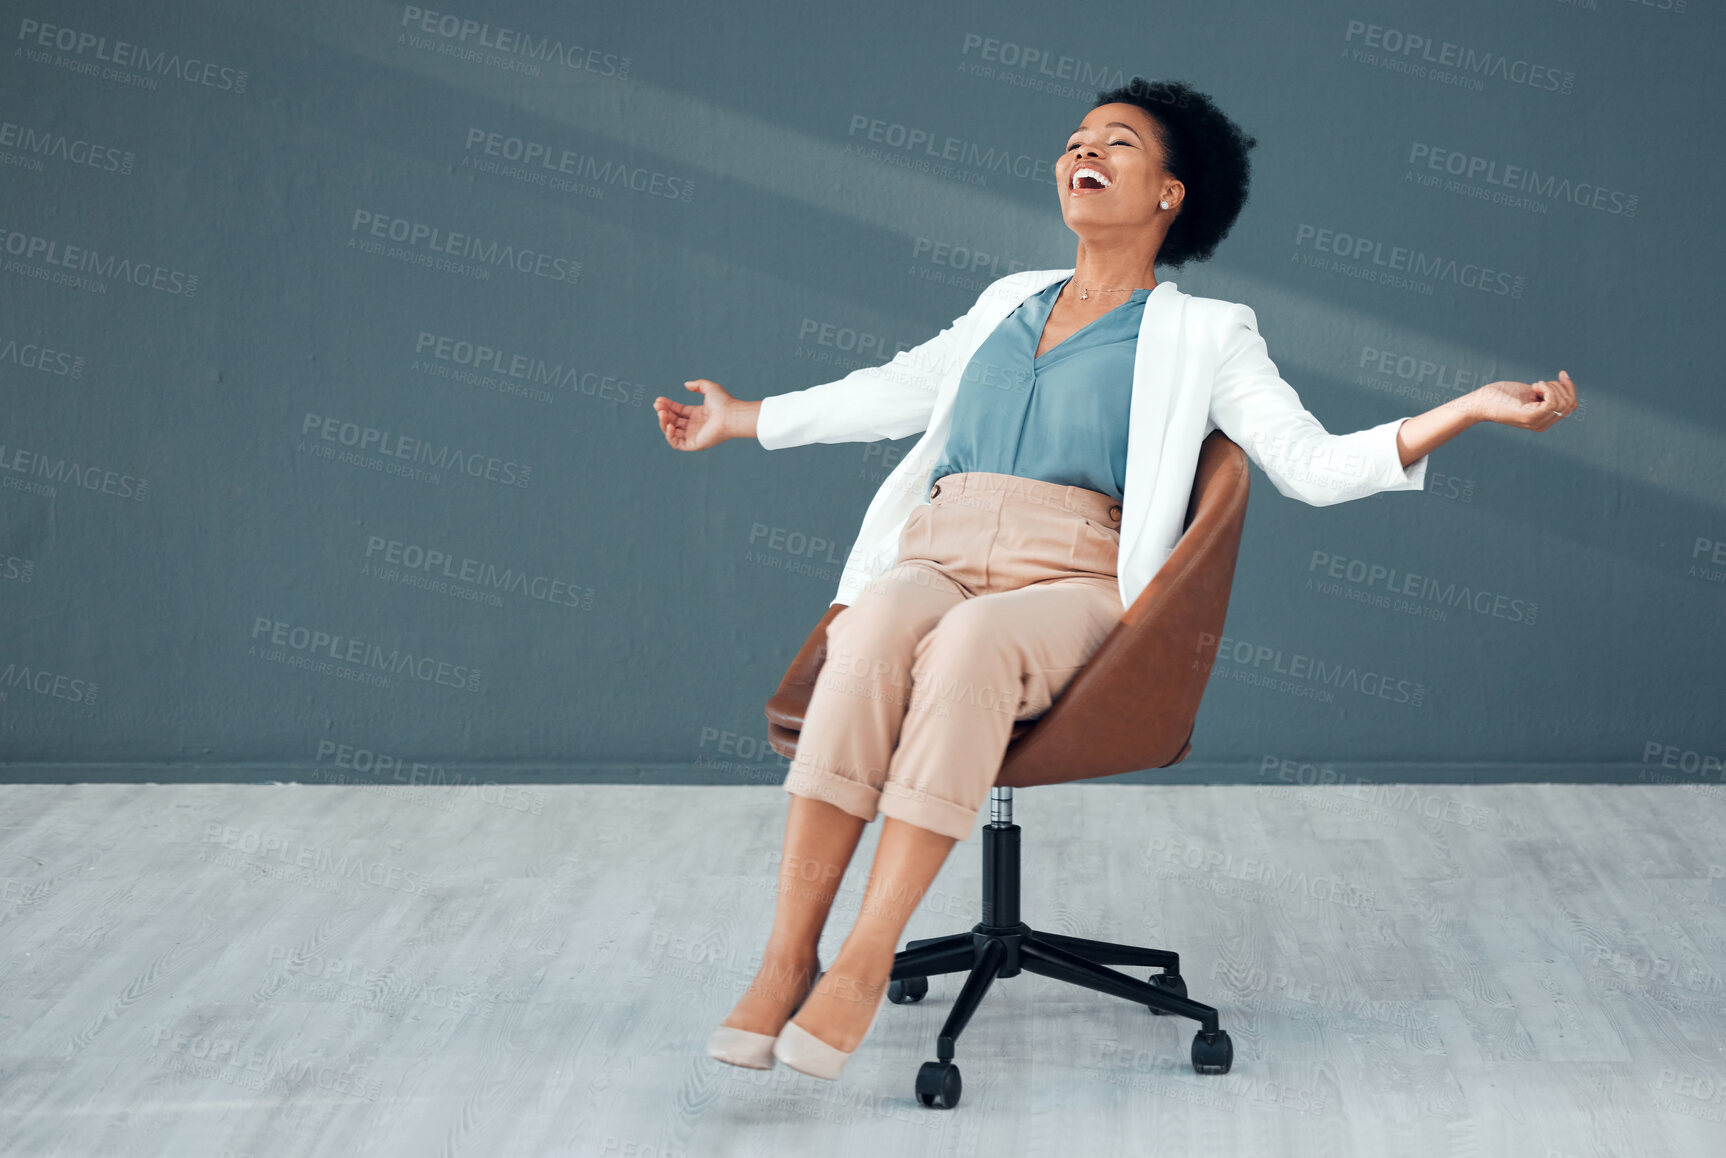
1004 588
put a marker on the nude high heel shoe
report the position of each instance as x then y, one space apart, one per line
740 1047
808 1054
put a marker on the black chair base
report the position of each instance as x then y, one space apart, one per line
1001 945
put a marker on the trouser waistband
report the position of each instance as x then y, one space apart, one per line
981 485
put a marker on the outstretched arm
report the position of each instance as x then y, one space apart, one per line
1529 405
892 400
1252 404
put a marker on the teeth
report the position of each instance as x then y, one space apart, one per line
1082 170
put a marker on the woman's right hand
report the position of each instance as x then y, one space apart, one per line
690 427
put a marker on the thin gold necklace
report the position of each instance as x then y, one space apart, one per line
1085 291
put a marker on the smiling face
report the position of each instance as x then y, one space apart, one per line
1117 143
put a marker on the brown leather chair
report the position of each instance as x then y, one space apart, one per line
1131 706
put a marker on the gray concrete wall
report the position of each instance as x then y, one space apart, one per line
329 334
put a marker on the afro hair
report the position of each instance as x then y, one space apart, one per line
1203 150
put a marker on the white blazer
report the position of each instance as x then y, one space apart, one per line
1200 366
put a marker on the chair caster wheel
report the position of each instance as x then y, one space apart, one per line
907 989
1213 1053
1173 982
938 1084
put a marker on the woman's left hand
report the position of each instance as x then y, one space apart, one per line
1530 405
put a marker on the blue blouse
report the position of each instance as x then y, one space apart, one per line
1061 418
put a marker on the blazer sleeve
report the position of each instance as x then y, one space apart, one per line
891 400
1252 404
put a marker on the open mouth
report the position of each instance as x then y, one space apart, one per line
1088 180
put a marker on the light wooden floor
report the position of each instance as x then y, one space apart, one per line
1536 971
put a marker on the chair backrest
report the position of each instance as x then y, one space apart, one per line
1133 704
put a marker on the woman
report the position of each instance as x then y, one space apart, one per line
998 588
